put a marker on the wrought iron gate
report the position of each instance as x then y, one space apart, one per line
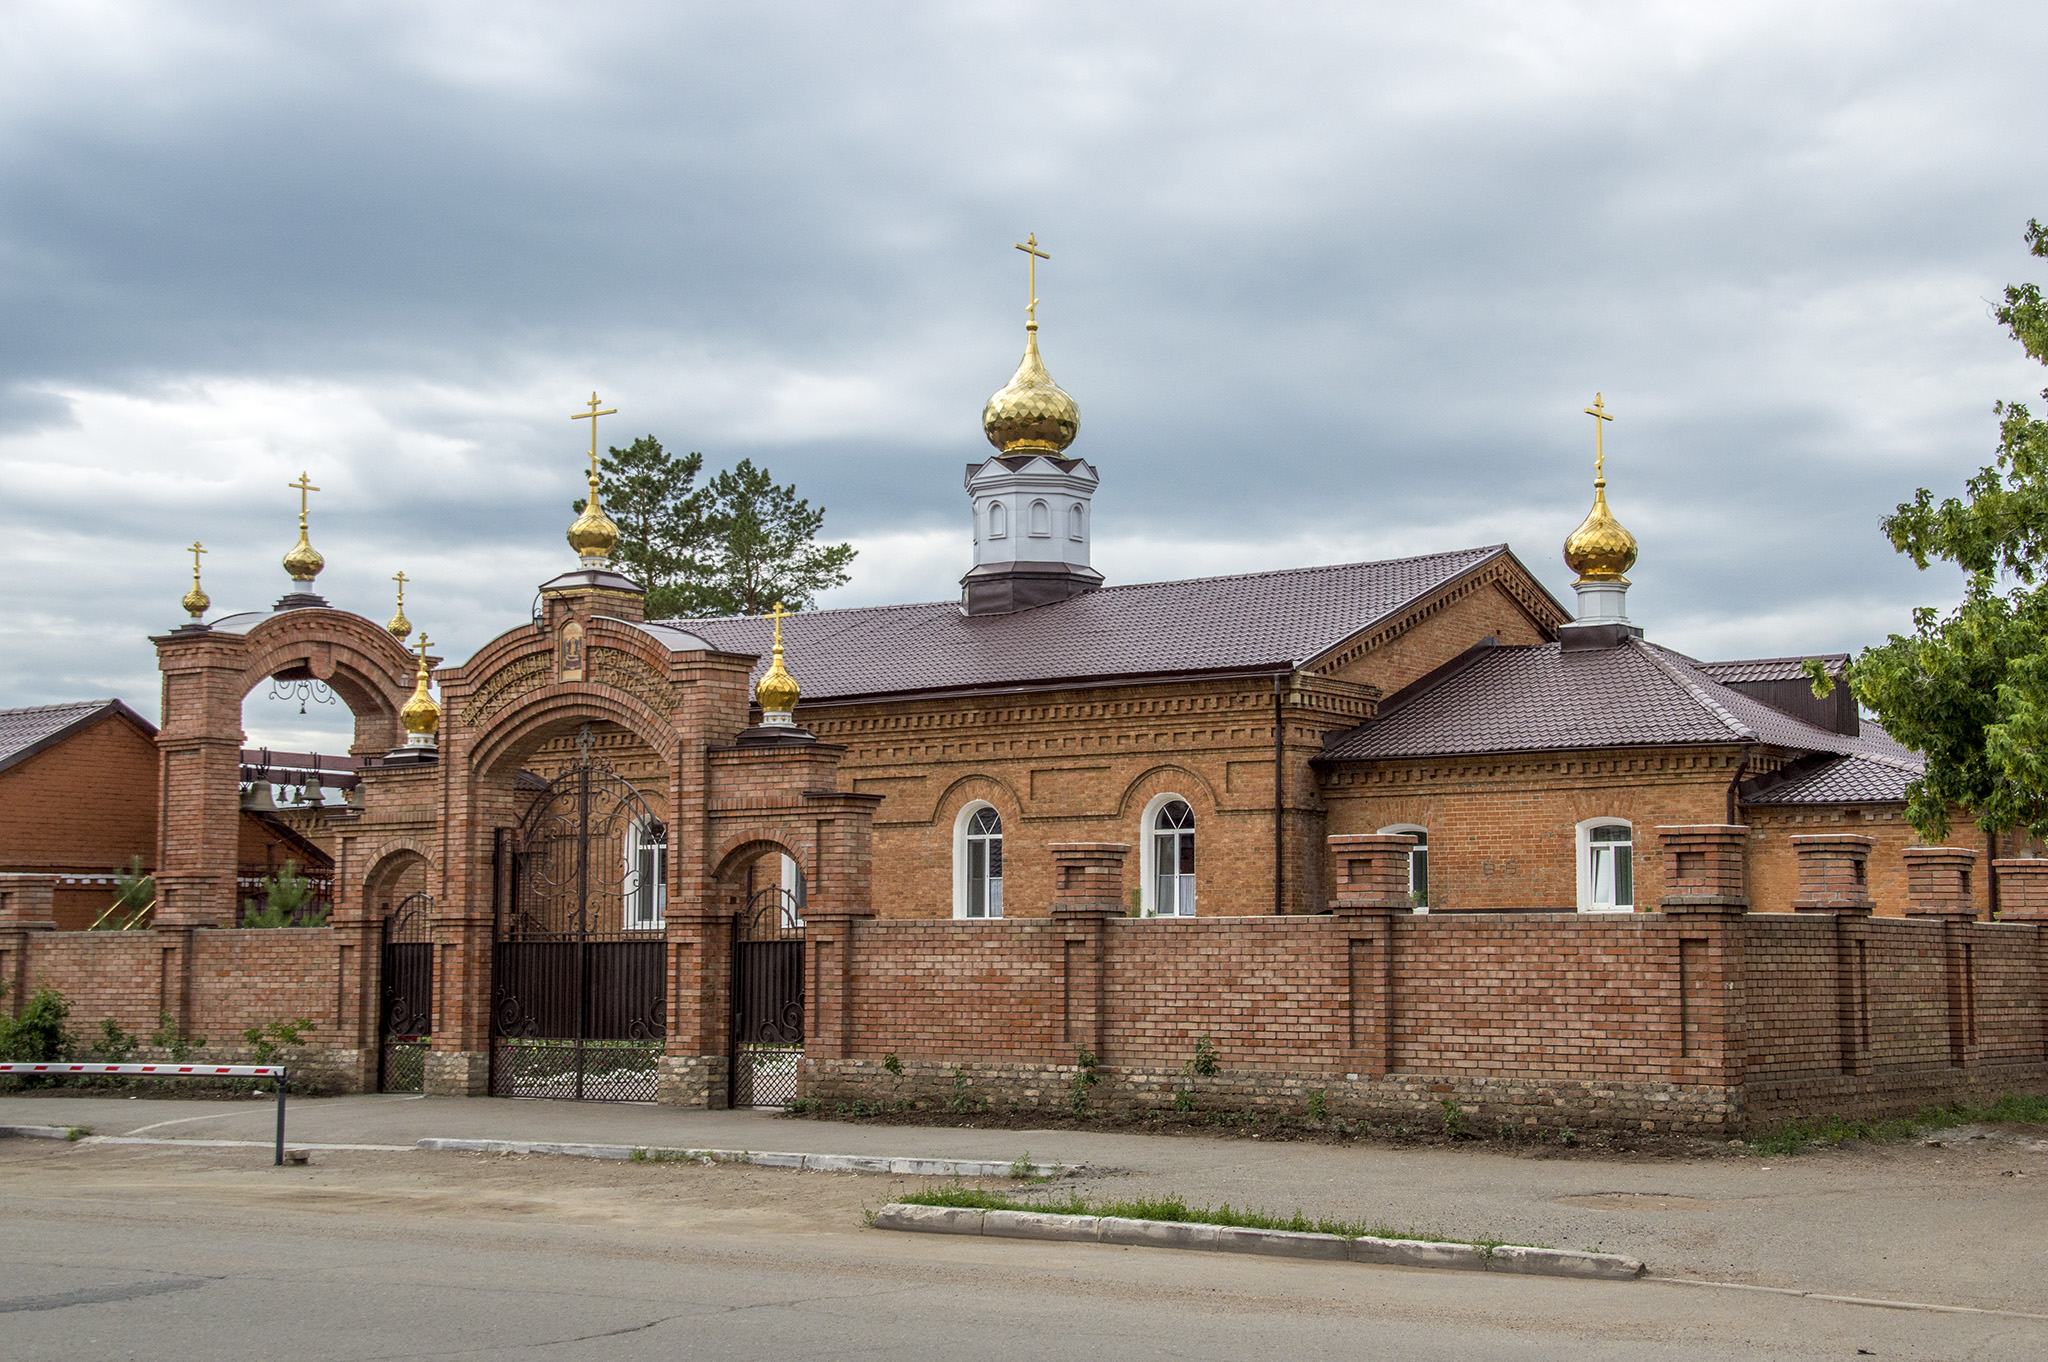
767 999
579 966
406 1008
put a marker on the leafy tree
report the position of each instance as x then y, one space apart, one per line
653 497
734 546
1970 689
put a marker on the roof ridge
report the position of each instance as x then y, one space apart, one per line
61 704
1694 689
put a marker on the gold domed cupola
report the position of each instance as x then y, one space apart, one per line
421 716
592 534
777 691
304 562
1031 414
1601 552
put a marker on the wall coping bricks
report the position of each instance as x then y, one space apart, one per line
27 902
1705 868
1088 878
2022 889
1372 872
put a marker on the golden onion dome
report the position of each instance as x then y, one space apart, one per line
421 716
304 562
593 535
1032 414
196 601
398 625
777 691
1600 550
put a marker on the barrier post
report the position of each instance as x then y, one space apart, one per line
284 1078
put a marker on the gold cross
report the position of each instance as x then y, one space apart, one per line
1598 411
424 641
778 614
304 485
401 579
591 416
1029 245
195 551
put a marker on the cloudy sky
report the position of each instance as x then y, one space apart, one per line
1329 282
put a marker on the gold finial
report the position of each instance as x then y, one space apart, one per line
1029 245
421 716
399 625
196 600
1600 550
1032 414
304 562
593 535
777 690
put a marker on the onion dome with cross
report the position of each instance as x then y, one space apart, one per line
1031 414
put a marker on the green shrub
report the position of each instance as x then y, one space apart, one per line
272 1040
38 1035
114 1046
287 902
1084 1078
171 1036
1204 1062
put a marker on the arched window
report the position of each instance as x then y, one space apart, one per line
1041 520
1076 526
1418 863
998 520
978 861
1173 860
646 874
1607 866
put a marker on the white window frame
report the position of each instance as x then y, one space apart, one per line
1584 862
960 822
998 520
1077 530
1415 829
1148 854
1039 522
630 883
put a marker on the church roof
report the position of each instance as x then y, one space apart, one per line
1542 698
25 732
1839 780
1771 668
1191 627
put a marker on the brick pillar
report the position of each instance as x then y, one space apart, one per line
2022 890
26 909
1706 892
1938 882
1371 883
1834 874
829 943
200 755
1088 890
459 1056
1371 872
695 1055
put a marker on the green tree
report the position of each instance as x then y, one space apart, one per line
287 902
763 545
1969 689
653 497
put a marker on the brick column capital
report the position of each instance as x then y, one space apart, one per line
1372 873
1834 873
1704 868
27 902
1088 879
2022 889
1938 882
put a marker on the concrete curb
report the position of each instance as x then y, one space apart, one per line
35 1133
1541 1262
815 1163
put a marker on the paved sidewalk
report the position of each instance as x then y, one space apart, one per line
1960 1225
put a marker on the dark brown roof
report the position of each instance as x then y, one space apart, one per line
25 732
1838 780
1203 625
1541 698
1771 668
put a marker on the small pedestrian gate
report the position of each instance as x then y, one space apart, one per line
406 1007
579 964
767 999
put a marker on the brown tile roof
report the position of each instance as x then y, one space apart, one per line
1207 624
1838 780
1770 668
25 732
1530 699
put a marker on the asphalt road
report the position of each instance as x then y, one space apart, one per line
132 1251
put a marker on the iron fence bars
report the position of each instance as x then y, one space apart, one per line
406 1007
579 967
768 999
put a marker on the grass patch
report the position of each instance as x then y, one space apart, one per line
1176 1210
1795 1136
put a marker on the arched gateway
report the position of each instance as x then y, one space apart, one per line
548 888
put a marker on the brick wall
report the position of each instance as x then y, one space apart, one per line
83 807
1647 1020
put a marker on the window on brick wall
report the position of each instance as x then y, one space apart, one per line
1607 866
646 874
978 862
1173 860
1418 863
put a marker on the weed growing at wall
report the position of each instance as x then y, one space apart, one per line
895 1065
275 1038
1318 1104
1204 1063
1796 1136
171 1036
1084 1078
1453 1118
38 1035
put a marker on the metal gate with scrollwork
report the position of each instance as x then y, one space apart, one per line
767 999
406 1007
579 964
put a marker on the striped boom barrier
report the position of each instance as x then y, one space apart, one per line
276 1071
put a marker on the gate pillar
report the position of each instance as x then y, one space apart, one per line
828 956
694 1058
459 1061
